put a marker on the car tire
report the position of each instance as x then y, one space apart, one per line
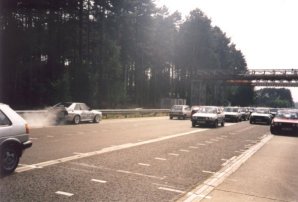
76 119
10 157
171 117
193 124
184 116
96 119
215 124
223 123
251 122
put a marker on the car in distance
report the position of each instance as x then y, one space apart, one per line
208 115
180 111
232 114
75 112
244 113
260 115
285 121
14 139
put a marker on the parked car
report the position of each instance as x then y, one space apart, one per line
75 112
180 111
232 114
261 115
209 115
14 139
285 121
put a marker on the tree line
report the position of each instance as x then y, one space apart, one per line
108 53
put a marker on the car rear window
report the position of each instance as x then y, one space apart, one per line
4 121
177 107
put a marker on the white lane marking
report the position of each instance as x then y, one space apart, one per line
209 142
183 150
105 150
173 154
33 138
206 171
172 190
143 164
50 136
161 159
124 171
99 181
201 144
214 140
78 153
140 174
64 193
193 147
216 179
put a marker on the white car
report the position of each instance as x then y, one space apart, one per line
75 112
261 115
232 114
208 115
14 139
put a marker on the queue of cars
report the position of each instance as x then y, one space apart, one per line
280 120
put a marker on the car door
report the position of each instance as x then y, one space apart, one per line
87 114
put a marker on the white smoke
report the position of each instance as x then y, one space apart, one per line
39 119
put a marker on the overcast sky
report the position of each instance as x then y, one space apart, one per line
266 31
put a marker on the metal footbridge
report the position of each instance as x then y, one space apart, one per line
253 77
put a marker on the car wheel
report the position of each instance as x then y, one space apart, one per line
223 123
76 119
193 124
9 159
184 116
215 124
250 121
96 119
171 117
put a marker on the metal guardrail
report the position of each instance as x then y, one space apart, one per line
113 113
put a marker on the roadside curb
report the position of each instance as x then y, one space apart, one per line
201 192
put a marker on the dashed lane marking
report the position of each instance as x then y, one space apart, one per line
206 171
173 154
193 147
143 164
64 193
172 190
99 181
183 150
105 150
161 159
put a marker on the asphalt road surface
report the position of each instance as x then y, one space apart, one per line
146 159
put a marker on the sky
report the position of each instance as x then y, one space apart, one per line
265 31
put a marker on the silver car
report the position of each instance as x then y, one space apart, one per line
208 115
14 139
75 112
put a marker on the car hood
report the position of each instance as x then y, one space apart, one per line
204 115
260 114
281 120
231 113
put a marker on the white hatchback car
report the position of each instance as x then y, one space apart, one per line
14 139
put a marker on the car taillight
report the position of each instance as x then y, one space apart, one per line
27 128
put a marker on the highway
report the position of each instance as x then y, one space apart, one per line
144 159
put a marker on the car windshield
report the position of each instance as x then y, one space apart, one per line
287 115
262 111
63 104
207 110
177 107
231 109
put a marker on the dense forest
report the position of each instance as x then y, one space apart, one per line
108 53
